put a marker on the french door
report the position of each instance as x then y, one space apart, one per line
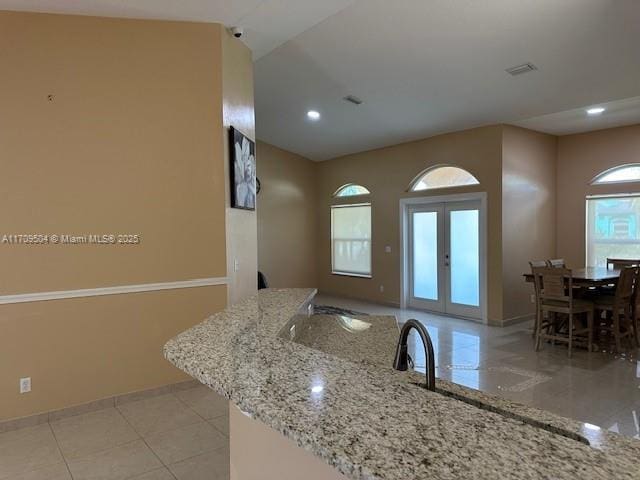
444 257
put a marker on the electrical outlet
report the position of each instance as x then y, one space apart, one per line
381 288
236 265
25 385
387 249
533 298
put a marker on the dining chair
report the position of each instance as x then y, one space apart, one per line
556 263
635 304
619 308
620 263
616 264
555 285
537 319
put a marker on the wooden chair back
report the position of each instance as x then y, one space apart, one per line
556 263
555 285
537 285
620 263
636 293
635 309
626 286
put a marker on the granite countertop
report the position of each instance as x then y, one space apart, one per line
371 422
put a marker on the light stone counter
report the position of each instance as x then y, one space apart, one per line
371 422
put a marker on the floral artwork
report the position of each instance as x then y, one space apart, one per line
243 171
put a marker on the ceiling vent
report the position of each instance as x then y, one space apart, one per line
520 69
352 99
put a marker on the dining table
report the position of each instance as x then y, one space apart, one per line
589 276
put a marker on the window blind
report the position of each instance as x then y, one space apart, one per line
351 239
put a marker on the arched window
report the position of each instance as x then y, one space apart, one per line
351 231
351 190
621 174
442 177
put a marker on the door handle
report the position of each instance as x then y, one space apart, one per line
446 259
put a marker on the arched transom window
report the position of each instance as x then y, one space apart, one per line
621 174
351 190
442 177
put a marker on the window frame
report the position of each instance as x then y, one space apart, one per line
418 178
587 215
597 179
337 195
331 239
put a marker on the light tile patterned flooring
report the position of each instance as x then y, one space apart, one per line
601 388
184 435
181 435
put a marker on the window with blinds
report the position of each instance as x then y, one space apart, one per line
613 228
351 239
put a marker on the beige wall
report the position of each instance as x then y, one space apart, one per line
387 172
287 249
242 236
134 104
528 212
580 158
131 143
79 350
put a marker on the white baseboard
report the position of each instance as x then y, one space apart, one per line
519 319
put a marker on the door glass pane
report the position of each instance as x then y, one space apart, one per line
425 255
465 257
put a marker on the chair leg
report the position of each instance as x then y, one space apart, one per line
597 323
635 330
536 322
570 333
630 329
616 331
590 331
538 331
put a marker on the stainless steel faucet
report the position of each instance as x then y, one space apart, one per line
401 361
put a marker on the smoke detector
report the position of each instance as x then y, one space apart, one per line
520 69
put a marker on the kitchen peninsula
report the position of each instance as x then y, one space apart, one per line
338 418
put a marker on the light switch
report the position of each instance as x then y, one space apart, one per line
387 248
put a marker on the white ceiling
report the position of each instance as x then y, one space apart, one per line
267 23
424 67
616 114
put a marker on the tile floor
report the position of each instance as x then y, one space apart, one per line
601 388
184 435
181 435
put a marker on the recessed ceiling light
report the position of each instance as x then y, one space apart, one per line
313 115
595 110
